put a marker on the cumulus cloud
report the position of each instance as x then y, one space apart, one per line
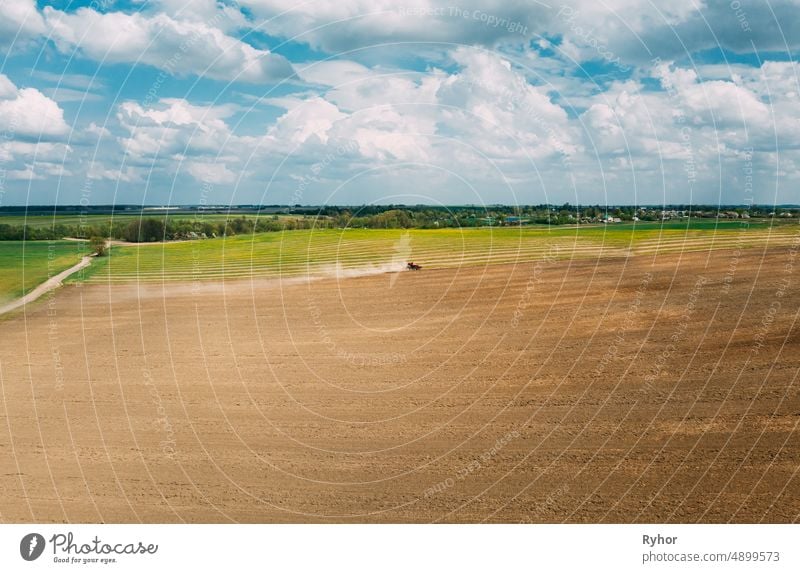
629 32
179 47
691 139
28 112
174 136
25 174
332 72
99 172
173 127
20 22
336 25
715 101
482 114
522 119
7 88
429 95
639 31
483 120
34 161
467 121
749 108
309 119
227 17
216 173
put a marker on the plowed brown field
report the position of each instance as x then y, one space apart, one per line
616 390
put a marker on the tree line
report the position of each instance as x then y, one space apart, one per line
152 229
171 228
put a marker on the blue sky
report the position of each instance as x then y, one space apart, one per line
357 101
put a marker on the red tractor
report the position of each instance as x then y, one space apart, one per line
413 267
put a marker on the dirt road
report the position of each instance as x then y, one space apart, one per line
625 390
48 285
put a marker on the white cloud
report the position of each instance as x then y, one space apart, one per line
99 172
20 22
174 126
39 171
694 119
29 161
175 46
631 30
41 151
692 139
98 130
29 112
54 169
639 31
224 16
215 173
332 72
518 119
306 119
471 121
336 25
7 88
389 134
484 112
714 101
26 174
456 87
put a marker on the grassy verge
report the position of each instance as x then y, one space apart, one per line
26 264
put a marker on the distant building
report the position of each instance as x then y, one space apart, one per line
516 220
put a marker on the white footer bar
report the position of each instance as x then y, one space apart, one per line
401 548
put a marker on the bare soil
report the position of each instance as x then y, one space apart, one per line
620 390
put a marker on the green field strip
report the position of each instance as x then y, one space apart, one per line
26 264
320 251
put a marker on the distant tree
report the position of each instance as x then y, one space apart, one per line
145 231
98 245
